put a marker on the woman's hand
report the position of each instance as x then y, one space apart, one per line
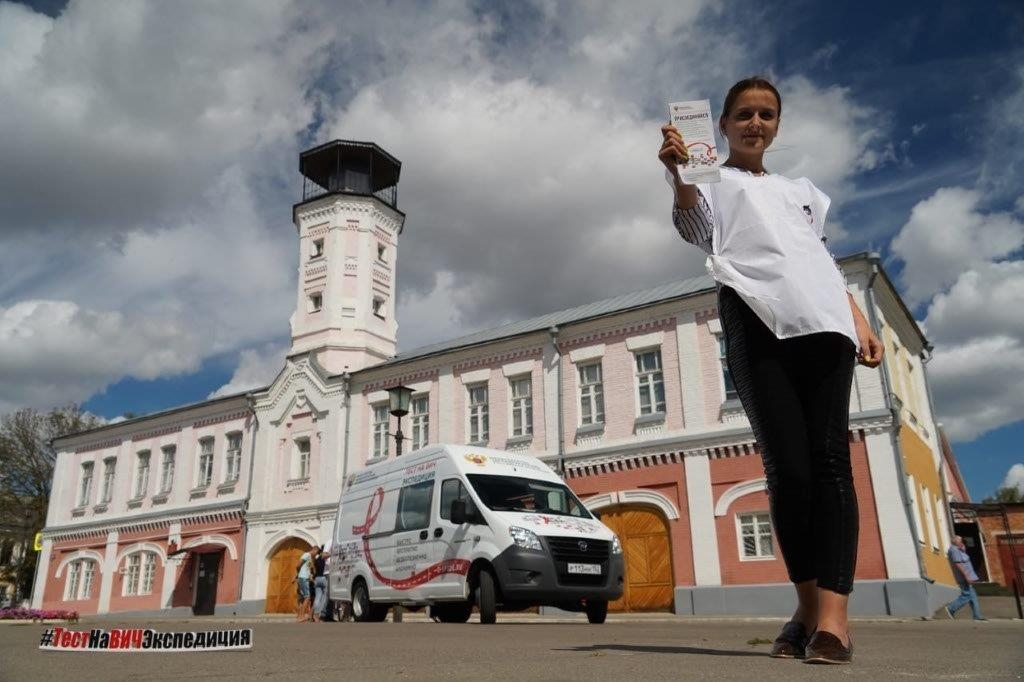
870 349
673 151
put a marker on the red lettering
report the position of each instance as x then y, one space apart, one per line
115 639
65 639
137 638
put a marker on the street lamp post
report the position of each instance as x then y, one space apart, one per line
398 399
398 404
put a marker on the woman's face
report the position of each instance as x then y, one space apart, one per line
752 123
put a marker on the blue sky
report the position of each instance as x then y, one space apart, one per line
147 253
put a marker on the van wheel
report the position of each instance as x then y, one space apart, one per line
363 610
486 597
458 612
597 611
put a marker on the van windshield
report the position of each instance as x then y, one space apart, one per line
511 493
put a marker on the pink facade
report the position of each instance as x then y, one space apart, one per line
148 516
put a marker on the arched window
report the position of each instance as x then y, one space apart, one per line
139 570
79 580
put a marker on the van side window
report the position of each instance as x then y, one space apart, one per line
414 506
452 490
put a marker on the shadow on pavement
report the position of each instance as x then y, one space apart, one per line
663 650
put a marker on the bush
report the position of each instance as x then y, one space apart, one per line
38 614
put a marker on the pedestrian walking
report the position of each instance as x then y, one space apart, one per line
793 334
966 576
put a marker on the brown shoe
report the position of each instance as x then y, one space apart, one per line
791 641
825 647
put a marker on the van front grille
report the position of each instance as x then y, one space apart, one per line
565 551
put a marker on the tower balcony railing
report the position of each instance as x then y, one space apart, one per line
313 190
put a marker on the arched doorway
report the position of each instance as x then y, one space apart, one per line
647 551
281 591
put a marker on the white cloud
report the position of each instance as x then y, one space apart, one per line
977 385
55 351
1015 477
257 367
948 234
150 151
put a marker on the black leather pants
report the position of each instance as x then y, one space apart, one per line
796 393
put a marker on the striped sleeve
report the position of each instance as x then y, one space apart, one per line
695 224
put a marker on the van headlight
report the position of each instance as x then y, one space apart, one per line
616 545
524 538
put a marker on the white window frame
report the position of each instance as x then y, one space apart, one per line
204 470
80 579
912 491
382 252
733 394
143 460
139 574
647 380
168 453
521 406
132 570
758 521
109 476
316 248
232 456
940 508
379 304
315 302
929 514
592 391
72 582
303 457
85 483
419 410
478 414
379 418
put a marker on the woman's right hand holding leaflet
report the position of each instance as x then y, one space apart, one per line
672 153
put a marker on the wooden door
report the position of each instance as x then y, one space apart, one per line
282 596
206 584
648 557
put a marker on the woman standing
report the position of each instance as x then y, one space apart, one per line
792 334
319 583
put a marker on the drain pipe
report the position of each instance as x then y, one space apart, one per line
251 404
553 333
347 379
894 410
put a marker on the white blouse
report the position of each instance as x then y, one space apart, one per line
764 236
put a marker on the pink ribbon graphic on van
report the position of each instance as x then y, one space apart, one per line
459 566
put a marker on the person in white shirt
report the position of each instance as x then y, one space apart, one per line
792 336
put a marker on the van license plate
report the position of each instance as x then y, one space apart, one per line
588 569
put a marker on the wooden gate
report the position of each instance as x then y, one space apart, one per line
281 591
648 556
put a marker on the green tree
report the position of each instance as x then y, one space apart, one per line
1010 493
26 476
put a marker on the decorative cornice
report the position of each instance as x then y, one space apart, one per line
606 335
156 433
401 380
318 230
101 445
316 271
498 359
157 522
242 414
324 512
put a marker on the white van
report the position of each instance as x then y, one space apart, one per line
454 526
